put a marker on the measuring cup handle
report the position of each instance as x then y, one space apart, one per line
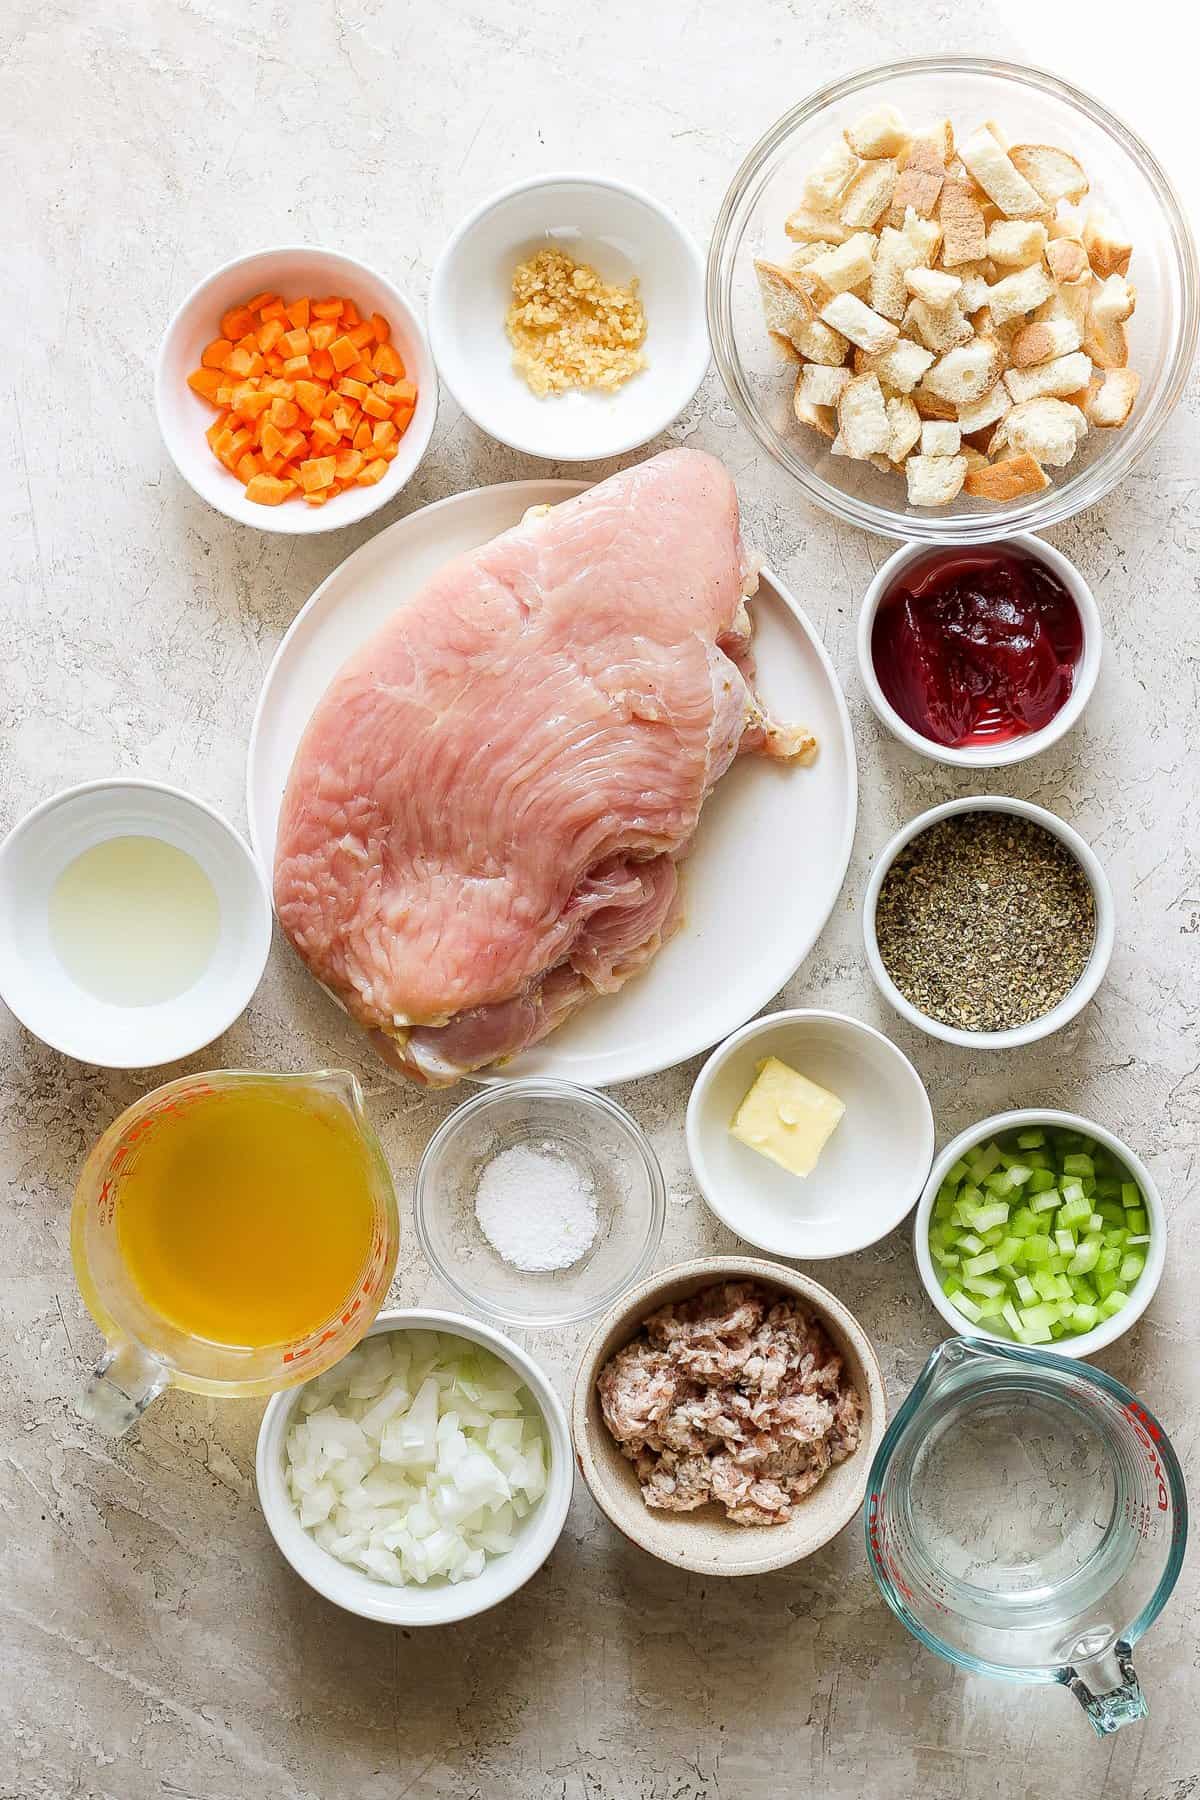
125 1381
1119 1704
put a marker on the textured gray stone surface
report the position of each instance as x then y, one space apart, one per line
151 1641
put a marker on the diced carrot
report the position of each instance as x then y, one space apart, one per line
361 337
348 463
310 397
389 450
355 390
247 342
296 343
296 366
350 313
402 418
289 472
294 443
268 335
238 363
317 498
374 471
361 371
383 434
381 331
248 466
269 490
386 361
318 472
274 362
215 353
322 334
327 309
344 354
236 323
325 434
362 437
271 438
321 364
284 413
345 417
225 393
298 313
215 430
260 300
248 402
275 309
377 408
206 382
277 387
399 393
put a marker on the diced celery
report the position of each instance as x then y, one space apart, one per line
1113 1302
970 1243
1085 1257
991 1305
1114 1237
992 1236
1073 1190
1047 1201
987 1216
1080 1164
1057 1263
1141 1238
1137 1219
986 1287
1084 1317
967 1307
1075 1210
1027 1294
1108 1209
1011 1317
1023 1222
1018 1174
1032 1138
1041 1179
1038 1249
983 1160
1006 1249
958 1173
1108 1259
981 1265
1084 1289
1046 1285
1095 1223
1108 1188
1131 1194
1065 1241
1106 1282
1035 1317
1132 1264
947 1258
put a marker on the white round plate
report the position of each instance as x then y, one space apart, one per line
771 852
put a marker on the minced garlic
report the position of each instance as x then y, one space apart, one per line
568 328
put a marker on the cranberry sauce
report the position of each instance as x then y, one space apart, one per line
977 646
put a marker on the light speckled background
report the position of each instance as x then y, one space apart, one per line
151 1641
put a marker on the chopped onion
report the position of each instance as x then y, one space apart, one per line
415 1457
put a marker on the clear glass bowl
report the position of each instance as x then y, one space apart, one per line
595 1134
1030 106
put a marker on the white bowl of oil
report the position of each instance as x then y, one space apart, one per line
134 923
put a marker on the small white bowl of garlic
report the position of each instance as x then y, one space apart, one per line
432 1468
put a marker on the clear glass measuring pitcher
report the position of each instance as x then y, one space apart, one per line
233 1233
1026 1518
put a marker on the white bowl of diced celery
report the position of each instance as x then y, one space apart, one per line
1040 1228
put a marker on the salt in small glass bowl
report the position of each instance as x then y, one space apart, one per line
595 1134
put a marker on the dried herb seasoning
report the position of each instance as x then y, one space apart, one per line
985 921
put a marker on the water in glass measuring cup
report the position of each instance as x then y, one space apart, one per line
1026 1518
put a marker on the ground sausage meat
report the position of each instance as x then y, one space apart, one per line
735 1396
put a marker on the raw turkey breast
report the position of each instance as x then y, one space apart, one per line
483 819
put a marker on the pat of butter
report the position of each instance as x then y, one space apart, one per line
787 1117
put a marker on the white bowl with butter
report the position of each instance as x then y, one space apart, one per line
867 1163
134 923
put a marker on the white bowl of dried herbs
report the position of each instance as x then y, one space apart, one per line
988 922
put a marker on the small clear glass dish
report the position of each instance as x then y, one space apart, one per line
602 1141
1033 107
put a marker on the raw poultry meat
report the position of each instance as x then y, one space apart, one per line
483 818
735 1396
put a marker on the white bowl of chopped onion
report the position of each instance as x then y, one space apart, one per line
424 1478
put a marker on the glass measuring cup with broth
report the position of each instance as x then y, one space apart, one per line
233 1233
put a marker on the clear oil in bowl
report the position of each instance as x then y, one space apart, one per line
134 921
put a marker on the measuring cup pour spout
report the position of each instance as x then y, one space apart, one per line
1120 1700
125 1380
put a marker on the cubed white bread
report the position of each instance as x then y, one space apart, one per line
1069 302
905 423
862 418
918 189
975 459
931 146
1067 261
1107 244
1000 179
934 480
1010 479
989 409
966 373
936 287
869 330
1019 292
820 343
976 279
880 132
869 195
820 385
1110 303
1051 430
1054 173
940 437
818 418
786 301
847 266
1042 341
1067 223
939 328
1062 376
1113 298
932 406
1014 243
785 346
806 225
807 253
829 178
901 366
964 231
1111 398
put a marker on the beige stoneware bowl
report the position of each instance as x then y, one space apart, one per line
705 1541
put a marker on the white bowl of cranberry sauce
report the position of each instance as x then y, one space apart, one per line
979 656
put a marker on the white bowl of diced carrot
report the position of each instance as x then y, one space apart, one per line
296 390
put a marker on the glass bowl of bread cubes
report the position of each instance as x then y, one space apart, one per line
952 298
